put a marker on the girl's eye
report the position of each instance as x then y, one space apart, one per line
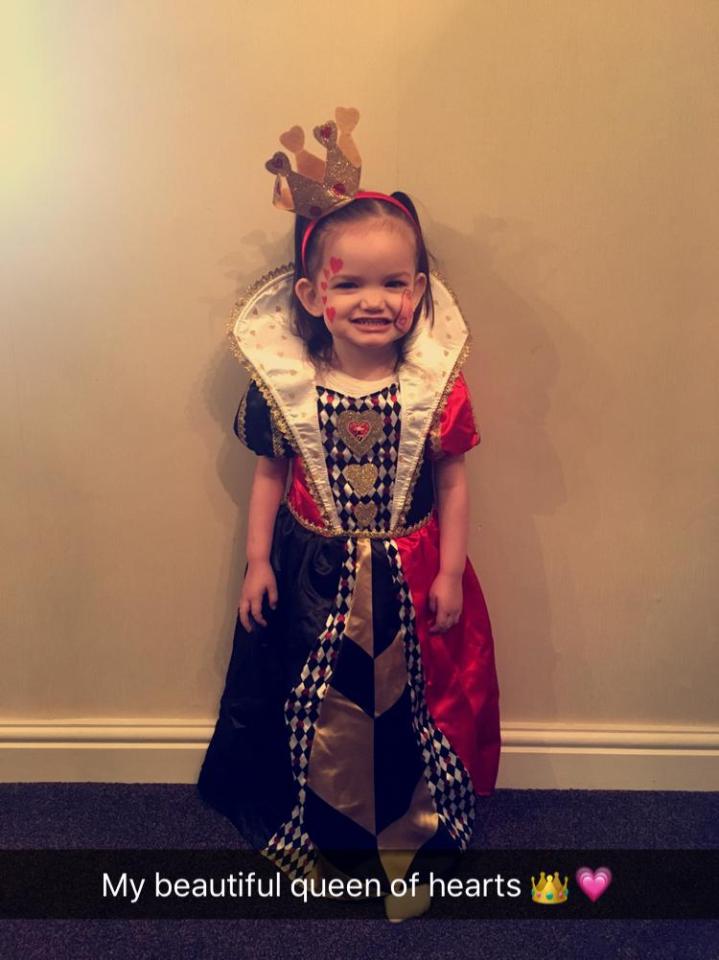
348 284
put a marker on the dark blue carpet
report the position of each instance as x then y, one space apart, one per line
90 815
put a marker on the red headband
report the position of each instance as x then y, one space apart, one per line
370 194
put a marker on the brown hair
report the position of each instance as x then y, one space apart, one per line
312 330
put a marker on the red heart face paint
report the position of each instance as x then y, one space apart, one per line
334 266
403 320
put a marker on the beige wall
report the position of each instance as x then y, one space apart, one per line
564 159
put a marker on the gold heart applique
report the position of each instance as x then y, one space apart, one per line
365 513
362 477
360 431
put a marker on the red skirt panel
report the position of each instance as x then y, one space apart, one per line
461 681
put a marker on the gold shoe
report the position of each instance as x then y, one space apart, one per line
407 906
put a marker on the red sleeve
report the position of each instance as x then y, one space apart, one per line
453 429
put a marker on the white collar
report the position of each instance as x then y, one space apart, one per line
262 340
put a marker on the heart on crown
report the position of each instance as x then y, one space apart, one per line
360 431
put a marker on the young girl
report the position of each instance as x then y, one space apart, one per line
360 714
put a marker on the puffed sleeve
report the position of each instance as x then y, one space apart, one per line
453 429
256 427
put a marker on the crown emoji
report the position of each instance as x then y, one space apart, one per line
549 890
317 186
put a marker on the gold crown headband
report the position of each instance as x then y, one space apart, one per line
318 186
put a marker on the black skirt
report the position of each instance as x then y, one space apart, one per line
341 779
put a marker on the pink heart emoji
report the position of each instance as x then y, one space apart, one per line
331 314
594 883
336 264
323 285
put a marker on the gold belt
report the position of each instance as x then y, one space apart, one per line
358 534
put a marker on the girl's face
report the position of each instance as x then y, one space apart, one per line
367 288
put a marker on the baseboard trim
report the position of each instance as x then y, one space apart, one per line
534 756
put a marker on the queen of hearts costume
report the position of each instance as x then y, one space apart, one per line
349 737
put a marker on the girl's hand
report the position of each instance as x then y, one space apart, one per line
259 577
445 601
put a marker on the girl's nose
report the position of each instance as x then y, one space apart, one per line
372 301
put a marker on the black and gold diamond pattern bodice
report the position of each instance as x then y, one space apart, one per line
360 438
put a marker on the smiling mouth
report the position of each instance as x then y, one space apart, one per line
371 322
